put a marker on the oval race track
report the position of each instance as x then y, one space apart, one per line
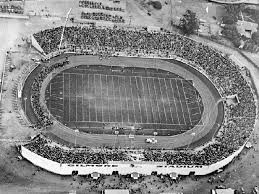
212 116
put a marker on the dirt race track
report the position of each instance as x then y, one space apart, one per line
210 119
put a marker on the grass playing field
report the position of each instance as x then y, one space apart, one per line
91 98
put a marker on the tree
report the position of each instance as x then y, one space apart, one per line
255 37
156 4
230 32
234 10
189 23
229 19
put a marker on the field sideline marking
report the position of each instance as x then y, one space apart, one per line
159 83
186 103
132 101
198 103
120 94
160 118
126 98
180 100
135 122
138 99
142 87
174 101
168 99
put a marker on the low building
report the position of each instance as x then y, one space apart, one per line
246 28
116 191
223 191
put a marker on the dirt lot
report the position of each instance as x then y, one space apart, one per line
23 177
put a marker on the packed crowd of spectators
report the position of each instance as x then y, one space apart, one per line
222 71
11 9
44 148
98 5
43 116
102 17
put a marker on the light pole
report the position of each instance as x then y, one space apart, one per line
64 29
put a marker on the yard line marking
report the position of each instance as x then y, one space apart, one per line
76 96
186 103
113 92
63 97
160 118
168 99
138 100
109 112
95 99
120 100
102 96
170 81
88 88
180 100
163 99
150 99
82 87
133 101
69 98
126 97
142 86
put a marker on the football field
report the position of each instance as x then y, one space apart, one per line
90 97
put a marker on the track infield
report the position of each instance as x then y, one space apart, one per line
96 98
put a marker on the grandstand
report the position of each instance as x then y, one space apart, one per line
107 45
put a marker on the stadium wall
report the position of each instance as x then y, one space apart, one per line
123 169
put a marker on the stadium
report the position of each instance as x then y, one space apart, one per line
130 101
